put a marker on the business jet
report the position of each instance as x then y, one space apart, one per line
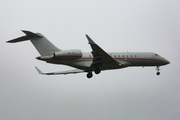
95 61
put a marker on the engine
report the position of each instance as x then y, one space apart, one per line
68 54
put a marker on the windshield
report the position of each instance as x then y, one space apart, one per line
157 55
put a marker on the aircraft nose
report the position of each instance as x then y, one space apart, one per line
167 62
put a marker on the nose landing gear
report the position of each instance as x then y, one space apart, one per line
158 73
157 68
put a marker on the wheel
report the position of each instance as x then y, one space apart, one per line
158 73
89 75
97 71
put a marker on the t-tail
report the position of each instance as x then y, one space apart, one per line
42 44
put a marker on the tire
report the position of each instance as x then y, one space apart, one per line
89 75
97 71
158 73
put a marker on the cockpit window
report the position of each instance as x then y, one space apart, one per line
156 55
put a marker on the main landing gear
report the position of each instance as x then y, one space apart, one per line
157 68
90 75
97 71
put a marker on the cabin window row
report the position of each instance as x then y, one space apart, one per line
129 56
124 56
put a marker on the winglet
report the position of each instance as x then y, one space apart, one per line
90 40
39 71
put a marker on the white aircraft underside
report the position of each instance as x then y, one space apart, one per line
96 60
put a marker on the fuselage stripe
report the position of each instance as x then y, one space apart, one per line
126 59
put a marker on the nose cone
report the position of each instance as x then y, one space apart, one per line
167 62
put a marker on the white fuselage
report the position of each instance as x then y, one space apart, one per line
133 58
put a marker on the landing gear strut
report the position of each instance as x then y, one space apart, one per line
158 73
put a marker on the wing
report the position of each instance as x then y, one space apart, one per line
101 58
62 72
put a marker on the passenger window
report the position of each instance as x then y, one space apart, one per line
123 56
115 56
131 55
127 55
135 55
119 56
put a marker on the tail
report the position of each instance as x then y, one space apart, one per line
42 44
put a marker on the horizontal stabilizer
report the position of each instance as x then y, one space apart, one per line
74 71
29 35
20 39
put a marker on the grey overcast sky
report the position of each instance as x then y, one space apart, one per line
115 25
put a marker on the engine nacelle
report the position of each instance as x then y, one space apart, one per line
68 54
